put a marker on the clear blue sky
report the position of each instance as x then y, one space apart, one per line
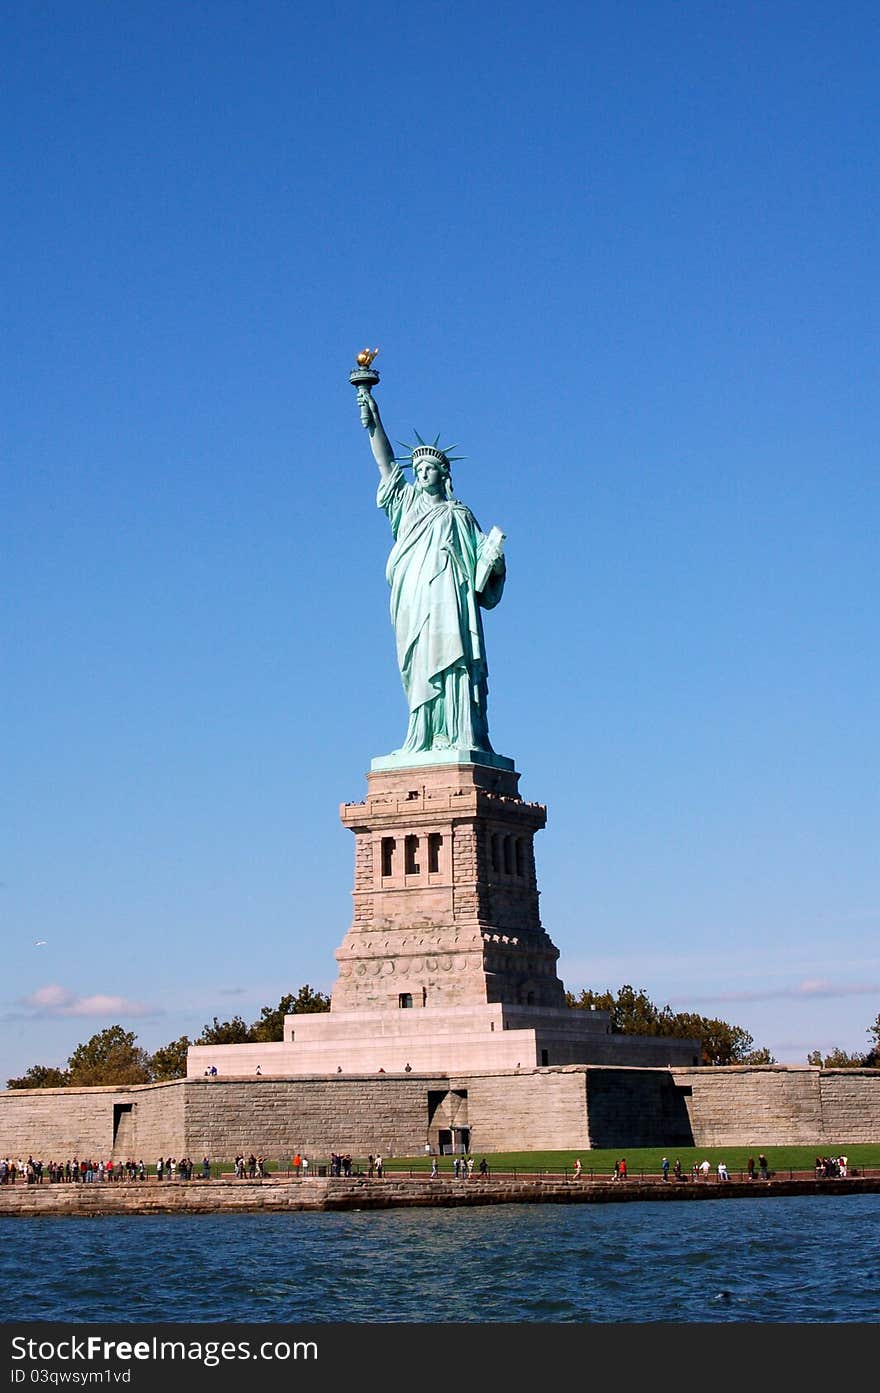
625 255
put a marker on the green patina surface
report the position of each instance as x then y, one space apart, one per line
443 571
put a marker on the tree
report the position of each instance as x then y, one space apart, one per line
270 1026
233 1032
762 1056
634 1013
111 1056
169 1061
720 1042
836 1059
41 1076
872 1058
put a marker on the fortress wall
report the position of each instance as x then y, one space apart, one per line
636 1107
276 1117
158 1128
58 1123
536 1110
850 1105
559 1108
768 1105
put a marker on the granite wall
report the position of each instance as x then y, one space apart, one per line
559 1108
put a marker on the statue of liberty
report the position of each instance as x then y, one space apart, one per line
442 570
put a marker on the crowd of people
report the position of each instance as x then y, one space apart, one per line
828 1167
88 1171
33 1171
169 1168
254 1168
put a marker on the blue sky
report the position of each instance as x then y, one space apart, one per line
626 256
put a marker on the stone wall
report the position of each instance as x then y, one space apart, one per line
775 1105
139 1123
277 1117
565 1108
535 1110
636 1107
282 1194
850 1101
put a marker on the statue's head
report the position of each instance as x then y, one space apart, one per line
431 469
432 466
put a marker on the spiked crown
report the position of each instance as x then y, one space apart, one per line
441 455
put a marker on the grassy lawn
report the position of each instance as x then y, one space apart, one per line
647 1160
639 1160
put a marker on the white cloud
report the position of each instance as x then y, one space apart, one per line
810 989
54 1000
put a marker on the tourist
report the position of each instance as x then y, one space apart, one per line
750 1168
206 1168
676 1169
456 1166
160 1168
622 1171
722 1171
434 1168
378 1167
577 1168
484 1167
305 1164
616 1170
705 1169
371 1165
762 1166
664 1166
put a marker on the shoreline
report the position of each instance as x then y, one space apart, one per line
334 1194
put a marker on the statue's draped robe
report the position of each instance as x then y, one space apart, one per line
435 610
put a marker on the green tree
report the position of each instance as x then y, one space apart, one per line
270 1025
41 1076
634 1013
872 1058
169 1061
631 1011
111 1056
587 1000
836 1059
233 1032
762 1056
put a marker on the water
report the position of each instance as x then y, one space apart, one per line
769 1260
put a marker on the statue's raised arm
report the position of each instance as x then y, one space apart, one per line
372 422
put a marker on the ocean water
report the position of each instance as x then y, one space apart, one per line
803 1259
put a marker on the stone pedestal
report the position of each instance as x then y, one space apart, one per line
446 966
445 894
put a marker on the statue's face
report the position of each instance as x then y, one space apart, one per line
429 476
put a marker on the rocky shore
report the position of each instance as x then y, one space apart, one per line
392 1192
